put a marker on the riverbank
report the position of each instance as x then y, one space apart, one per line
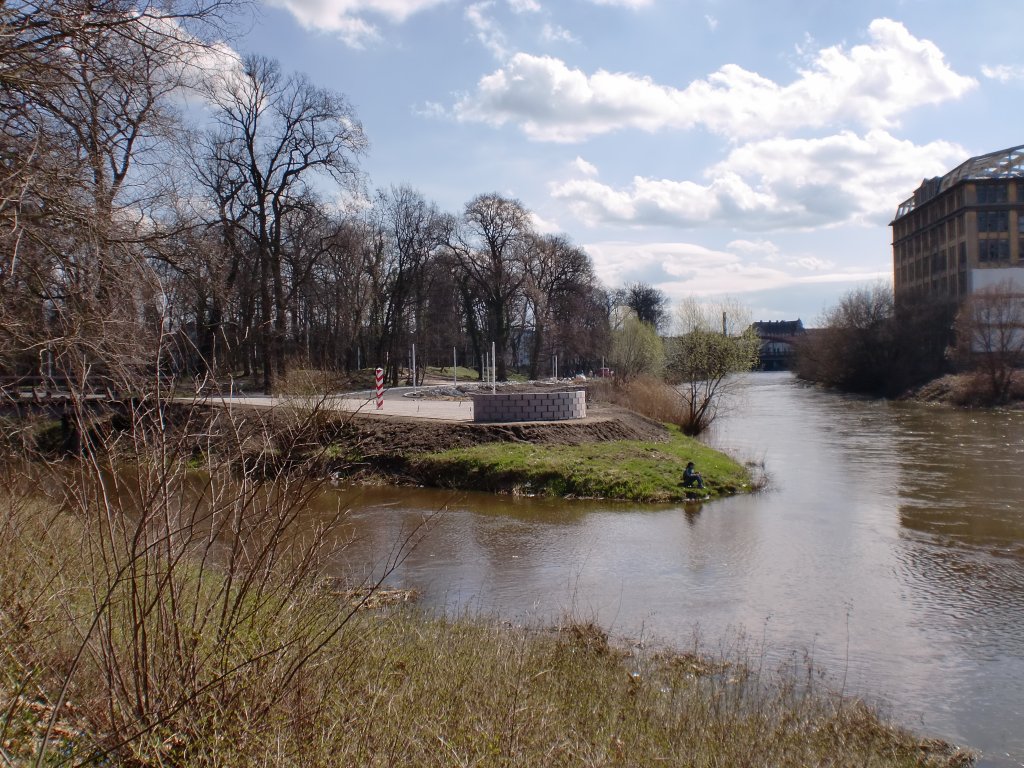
627 449
614 454
966 390
144 645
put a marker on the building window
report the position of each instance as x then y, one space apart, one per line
991 193
993 249
963 254
993 221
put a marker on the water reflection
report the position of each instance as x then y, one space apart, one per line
963 479
890 541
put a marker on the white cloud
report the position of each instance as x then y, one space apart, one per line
684 269
552 33
660 264
774 184
216 69
487 31
544 226
812 264
584 167
524 6
869 85
347 17
431 110
765 248
196 68
1004 73
712 22
634 4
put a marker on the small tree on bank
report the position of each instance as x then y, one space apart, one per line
704 357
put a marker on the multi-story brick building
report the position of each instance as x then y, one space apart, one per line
962 232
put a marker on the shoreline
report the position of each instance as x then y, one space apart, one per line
631 706
614 454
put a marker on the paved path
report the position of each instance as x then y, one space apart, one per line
363 403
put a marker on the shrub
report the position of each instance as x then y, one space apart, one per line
868 344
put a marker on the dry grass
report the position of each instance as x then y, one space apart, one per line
392 687
970 389
648 396
152 615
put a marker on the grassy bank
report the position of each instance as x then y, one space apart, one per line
623 469
130 642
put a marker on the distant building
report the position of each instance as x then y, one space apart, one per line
778 343
962 232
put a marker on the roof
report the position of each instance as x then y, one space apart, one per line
778 327
1004 164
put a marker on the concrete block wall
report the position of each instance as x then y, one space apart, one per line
530 406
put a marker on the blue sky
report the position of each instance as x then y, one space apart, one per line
750 148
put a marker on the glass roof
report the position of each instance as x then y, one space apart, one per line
1004 164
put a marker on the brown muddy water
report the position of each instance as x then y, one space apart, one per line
889 547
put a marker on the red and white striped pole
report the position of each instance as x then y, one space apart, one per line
380 388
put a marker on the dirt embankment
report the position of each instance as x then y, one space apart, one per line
386 449
394 436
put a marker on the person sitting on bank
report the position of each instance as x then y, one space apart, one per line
692 477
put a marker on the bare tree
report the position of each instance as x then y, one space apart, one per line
84 97
276 131
559 273
491 248
869 344
407 233
990 332
583 326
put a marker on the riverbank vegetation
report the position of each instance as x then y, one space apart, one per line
935 351
695 367
625 469
870 346
168 594
156 618
631 448
713 343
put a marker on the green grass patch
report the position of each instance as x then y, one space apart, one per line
623 469
462 372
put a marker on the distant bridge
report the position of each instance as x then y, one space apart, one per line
778 343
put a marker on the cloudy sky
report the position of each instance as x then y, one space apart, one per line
750 148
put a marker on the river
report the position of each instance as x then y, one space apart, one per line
888 547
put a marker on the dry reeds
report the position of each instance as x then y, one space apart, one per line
153 615
648 396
